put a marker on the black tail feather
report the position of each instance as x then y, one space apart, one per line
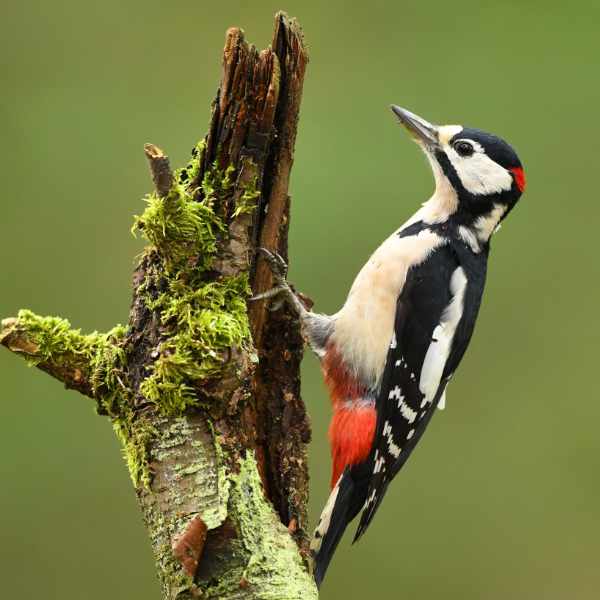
337 525
351 492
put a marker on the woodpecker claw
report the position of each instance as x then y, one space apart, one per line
269 293
282 291
278 266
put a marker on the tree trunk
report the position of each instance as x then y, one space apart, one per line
202 390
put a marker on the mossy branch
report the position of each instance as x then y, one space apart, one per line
203 393
85 363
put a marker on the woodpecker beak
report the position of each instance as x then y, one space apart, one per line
423 131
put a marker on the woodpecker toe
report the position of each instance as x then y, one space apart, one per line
269 293
276 263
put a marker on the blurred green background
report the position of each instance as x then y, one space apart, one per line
501 500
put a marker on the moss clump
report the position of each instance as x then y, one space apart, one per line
179 225
202 322
202 316
98 355
56 341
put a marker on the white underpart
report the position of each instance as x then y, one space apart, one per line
442 204
364 325
325 518
441 340
478 173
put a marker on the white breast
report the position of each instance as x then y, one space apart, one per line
365 324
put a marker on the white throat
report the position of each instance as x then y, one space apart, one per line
442 204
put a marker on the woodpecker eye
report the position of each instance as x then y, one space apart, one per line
463 148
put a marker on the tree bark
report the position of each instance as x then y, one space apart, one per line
202 390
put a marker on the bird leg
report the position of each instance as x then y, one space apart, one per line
281 290
316 328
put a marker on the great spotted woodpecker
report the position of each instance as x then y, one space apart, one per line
389 353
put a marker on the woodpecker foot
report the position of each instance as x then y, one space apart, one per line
277 264
282 291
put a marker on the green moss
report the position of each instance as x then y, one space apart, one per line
107 366
135 433
181 227
56 341
201 317
201 324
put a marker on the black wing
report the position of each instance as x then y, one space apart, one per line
402 412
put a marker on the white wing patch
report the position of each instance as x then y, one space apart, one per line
441 340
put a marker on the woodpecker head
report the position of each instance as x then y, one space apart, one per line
478 175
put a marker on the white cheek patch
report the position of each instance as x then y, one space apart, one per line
478 173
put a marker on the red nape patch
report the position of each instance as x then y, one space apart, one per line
519 175
343 386
350 434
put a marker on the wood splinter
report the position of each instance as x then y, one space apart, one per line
160 169
188 547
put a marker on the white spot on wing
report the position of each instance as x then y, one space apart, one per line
443 335
393 448
395 393
379 464
405 410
